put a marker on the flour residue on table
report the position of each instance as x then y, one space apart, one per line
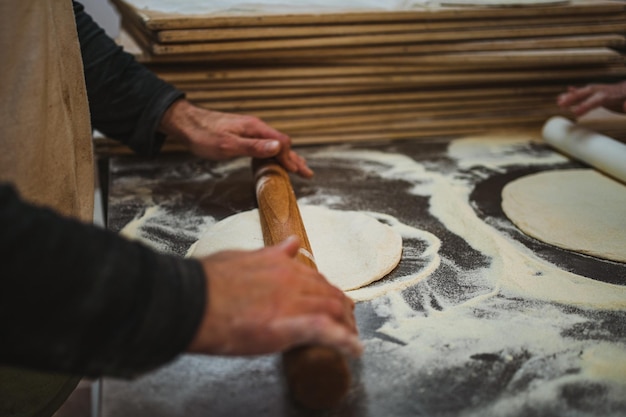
518 332
520 319
156 228
513 269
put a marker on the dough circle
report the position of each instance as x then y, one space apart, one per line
351 249
579 209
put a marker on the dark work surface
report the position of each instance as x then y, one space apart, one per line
471 347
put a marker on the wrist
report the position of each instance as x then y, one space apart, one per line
177 119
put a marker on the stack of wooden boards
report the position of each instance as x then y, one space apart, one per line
357 76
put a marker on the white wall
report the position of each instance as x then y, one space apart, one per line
104 14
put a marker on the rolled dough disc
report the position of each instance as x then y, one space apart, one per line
351 249
580 210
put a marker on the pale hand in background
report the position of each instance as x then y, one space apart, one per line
581 100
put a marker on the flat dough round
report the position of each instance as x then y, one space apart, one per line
351 249
580 210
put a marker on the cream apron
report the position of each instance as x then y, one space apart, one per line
45 148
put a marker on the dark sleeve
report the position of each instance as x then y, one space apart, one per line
126 100
75 298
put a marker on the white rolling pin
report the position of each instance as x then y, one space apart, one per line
601 152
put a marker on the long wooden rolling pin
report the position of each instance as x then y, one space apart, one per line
318 377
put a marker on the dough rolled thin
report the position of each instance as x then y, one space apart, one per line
351 249
579 209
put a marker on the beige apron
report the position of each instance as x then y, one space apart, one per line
45 148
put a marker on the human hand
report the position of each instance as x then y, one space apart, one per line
215 135
264 301
581 100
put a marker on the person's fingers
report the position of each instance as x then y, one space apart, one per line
289 246
320 305
589 103
349 313
285 155
254 147
341 306
265 148
258 131
573 96
318 330
301 166
253 127
311 282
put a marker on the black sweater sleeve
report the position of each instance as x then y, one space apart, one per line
126 100
78 299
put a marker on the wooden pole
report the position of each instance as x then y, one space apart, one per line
318 377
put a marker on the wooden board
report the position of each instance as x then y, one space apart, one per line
415 37
400 108
386 75
153 20
387 54
418 128
397 52
407 80
366 121
558 79
421 129
316 30
424 96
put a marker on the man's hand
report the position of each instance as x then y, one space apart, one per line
581 100
264 301
215 135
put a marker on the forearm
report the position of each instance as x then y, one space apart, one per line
78 299
126 100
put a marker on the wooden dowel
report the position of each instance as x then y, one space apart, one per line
318 377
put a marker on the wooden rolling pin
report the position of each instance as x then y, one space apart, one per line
318 377
601 152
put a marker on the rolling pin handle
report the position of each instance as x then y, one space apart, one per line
318 377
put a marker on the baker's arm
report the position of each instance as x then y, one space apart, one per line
126 100
75 298
78 299
130 103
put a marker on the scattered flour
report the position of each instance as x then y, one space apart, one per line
527 311
514 269
533 339
157 228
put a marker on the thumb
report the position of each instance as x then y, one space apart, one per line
290 246
261 148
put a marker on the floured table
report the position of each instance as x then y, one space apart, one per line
477 319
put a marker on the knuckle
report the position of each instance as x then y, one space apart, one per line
335 308
319 323
251 120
